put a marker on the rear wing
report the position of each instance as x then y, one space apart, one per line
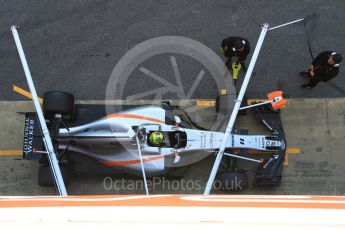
33 144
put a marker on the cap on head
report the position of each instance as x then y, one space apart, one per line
239 44
337 58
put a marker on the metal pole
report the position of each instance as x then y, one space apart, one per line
236 109
142 165
285 24
243 158
255 105
60 185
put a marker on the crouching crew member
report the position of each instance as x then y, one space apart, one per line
235 47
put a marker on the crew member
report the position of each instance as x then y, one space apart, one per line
323 68
235 47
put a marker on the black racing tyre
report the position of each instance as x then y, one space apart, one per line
243 104
45 177
234 181
222 102
217 103
55 102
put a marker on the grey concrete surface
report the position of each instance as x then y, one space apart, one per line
316 126
74 45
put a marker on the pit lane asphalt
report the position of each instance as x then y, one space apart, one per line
74 45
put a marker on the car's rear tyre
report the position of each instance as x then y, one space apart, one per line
45 177
234 181
55 102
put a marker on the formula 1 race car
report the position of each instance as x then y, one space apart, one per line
165 140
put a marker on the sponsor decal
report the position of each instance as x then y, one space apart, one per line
241 141
28 135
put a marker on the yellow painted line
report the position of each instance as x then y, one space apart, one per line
286 160
250 101
25 93
11 152
293 150
223 92
205 103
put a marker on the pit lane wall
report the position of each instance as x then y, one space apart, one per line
173 211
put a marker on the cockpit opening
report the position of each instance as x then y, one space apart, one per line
175 139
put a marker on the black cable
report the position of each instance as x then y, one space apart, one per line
189 118
308 41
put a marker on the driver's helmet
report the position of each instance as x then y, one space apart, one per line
156 138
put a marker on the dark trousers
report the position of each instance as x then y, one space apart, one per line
313 80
